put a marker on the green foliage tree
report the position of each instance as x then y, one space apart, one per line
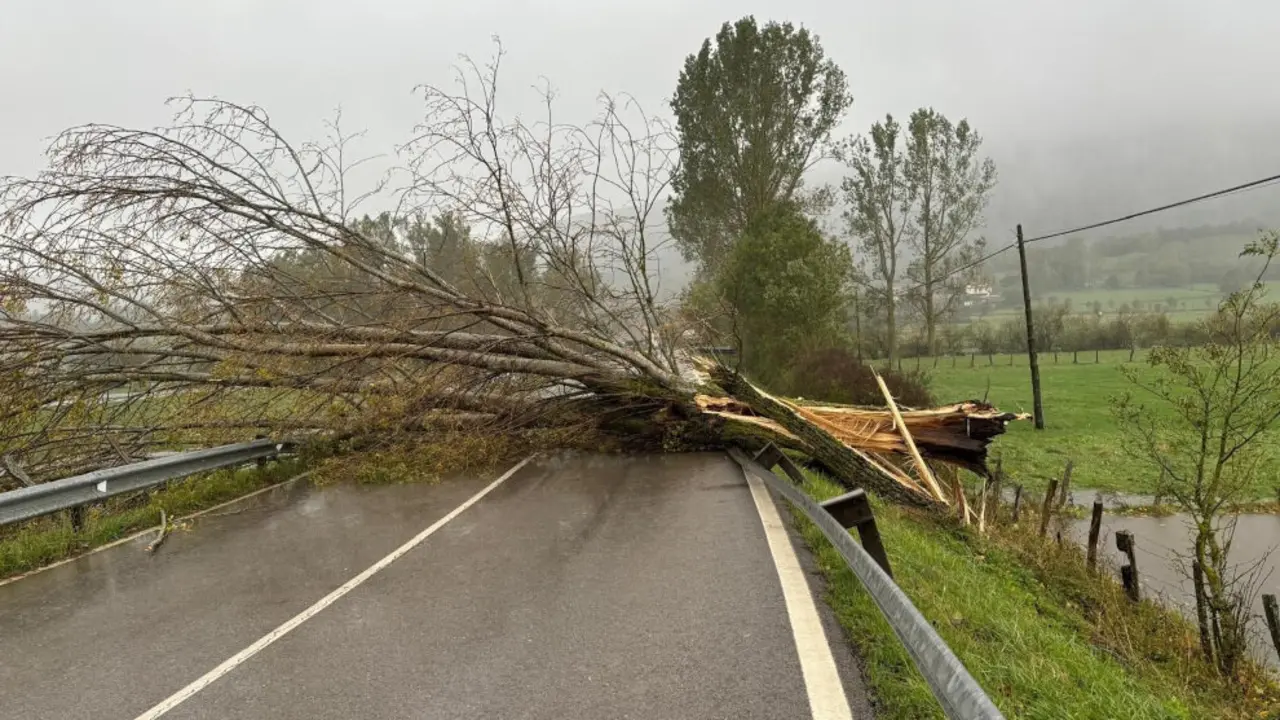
754 110
951 185
1224 395
789 287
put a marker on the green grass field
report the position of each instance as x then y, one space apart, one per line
1079 423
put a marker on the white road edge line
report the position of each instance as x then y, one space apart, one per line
827 700
289 625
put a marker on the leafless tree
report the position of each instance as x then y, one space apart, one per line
212 278
154 281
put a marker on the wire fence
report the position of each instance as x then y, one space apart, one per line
976 360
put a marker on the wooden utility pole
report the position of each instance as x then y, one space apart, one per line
1037 402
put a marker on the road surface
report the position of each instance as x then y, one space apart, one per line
576 587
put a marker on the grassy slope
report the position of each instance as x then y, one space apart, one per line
1078 419
1030 646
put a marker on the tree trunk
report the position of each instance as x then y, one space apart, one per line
844 465
1228 634
857 325
930 324
891 324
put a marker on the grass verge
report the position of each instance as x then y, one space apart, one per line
1045 637
1079 423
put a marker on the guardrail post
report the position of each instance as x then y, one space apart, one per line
853 510
261 462
949 681
771 457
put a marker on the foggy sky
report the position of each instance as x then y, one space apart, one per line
1090 108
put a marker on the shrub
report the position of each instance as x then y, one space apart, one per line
835 375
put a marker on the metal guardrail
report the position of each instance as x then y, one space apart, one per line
72 492
959 694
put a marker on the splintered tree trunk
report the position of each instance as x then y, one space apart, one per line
844 464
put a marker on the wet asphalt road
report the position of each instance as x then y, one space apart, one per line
583 587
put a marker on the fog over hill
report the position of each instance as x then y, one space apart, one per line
1090 109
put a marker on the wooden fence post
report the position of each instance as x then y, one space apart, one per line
1273 618
1065 488
962 503
973 358
1075 357
982 506
1047 509
1095 528
1128 573
1095 357
1017 502
996 489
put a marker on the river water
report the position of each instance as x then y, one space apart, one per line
1163 547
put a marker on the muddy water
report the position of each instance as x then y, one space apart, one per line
1163 544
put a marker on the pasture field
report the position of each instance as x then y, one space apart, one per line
1079 422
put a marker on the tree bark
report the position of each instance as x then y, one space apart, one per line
840 461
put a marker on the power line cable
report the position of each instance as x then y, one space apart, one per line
1251 185
1199 198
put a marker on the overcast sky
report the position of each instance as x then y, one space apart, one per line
1090 108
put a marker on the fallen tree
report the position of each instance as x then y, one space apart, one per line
209 279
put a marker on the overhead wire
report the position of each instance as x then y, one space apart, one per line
1152 211
1243 187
